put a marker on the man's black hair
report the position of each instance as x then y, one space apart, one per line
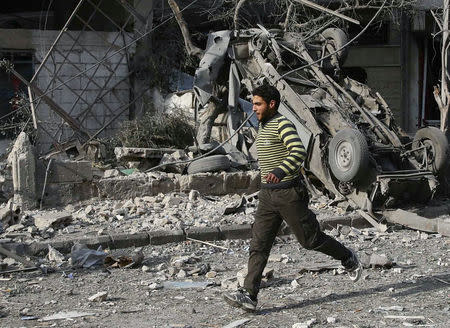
268 93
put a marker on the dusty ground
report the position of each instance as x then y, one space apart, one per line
418 285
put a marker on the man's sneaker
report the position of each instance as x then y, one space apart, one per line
353 266
241 299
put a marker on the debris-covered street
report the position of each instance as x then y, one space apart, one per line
406 282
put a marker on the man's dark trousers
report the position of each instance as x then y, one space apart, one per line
291 205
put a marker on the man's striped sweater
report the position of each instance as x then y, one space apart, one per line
280 151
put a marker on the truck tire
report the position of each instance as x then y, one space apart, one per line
436 144
338 38
348 155
213 163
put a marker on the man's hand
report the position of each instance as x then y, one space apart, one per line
271 178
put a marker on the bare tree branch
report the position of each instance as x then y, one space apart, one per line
191 49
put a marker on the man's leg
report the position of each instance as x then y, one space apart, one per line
293 206
264 230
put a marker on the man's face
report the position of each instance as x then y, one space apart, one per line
263 109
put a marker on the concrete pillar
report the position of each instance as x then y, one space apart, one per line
22 160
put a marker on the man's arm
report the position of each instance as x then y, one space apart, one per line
297 153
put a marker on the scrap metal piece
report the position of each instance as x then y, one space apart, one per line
210 65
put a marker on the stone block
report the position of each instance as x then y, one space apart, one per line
205 183
165 237
132 154
22 159
236 231
203 233
52 220
57 194
236 182
70 171
129 240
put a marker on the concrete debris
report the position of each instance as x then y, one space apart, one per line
320 268
22 159
414 221
331 320
10 214
186 284
82 256
391 308
127 154
237 323
99 297
55 256
376 261
52 220
306 324
65 315
177 156
112 173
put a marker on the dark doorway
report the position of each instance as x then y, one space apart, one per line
11 88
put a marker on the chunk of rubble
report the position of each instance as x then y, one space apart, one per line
99 297
10 214
54 255
376 261
52 220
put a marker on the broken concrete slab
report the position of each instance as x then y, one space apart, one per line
70 171
204 233
126 154
22 159
52 220
417 222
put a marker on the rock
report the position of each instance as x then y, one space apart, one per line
331 320
9 261
146 268
170 201
294 283
111 173
99 297
155 286
194 195
230 283
306 324
211 274
181 274
177 156
89 209
10 214
47 220
15 227
54 256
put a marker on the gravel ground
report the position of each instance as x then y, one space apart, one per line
413 282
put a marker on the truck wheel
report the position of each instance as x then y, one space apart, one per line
337 38
434 145
348 155
213 163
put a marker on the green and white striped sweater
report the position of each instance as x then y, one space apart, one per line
280 151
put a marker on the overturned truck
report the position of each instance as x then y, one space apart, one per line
356 152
